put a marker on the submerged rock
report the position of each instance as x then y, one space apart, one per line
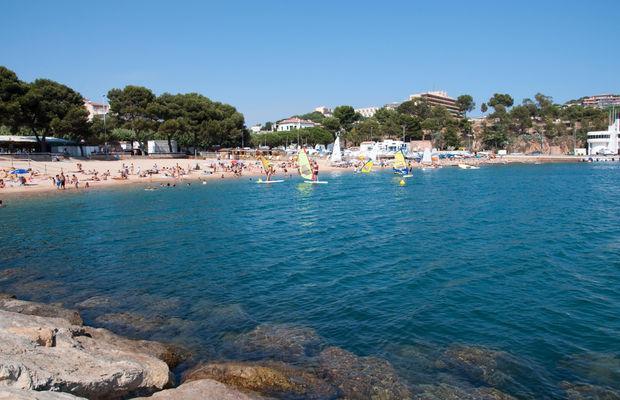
96 302
129 321
361 377
584 391
8 393
601 368
203 389
40 309
272 379
43 353
448 392
280 342
478 364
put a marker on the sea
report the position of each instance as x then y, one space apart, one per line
516 265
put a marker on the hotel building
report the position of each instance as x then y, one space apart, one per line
439 98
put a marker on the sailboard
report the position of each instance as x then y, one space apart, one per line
266 182
400 165
305 169
367 167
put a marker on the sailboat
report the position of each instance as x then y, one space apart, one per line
400 165
266 166
427 157
336 157
305 169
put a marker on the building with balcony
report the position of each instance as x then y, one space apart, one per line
94 108
601 100
439 98
367 112
295 123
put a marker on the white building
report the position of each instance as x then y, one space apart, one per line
294 123
256 128
94 108
604 142
326 111
367 112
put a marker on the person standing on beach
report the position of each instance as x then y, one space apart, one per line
63 180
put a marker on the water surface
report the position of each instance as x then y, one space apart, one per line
520 259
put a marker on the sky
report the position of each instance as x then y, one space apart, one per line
272 59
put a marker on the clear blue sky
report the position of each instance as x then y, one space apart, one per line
272 59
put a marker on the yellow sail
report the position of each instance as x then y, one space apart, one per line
399 161
266 163
367 167
305 170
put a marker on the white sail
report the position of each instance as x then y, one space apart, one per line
336 154
427 157
374 152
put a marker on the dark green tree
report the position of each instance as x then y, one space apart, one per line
465 103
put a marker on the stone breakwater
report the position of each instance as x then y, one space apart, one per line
46 352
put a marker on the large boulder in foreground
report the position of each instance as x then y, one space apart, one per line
361 377
8 393
40 309
203 389
271 378
42 353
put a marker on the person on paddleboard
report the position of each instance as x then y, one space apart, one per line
270 171
315 171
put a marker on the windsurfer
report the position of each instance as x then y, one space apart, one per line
315 171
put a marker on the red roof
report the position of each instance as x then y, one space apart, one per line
296 121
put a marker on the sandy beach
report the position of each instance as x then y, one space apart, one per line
156 171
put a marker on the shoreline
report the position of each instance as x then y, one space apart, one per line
42 183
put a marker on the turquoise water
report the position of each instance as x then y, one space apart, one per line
521 259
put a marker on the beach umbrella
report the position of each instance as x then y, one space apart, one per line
19 172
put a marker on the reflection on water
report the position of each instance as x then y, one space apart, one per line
504 277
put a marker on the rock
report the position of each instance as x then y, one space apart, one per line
96 302
41 336
8 393
478 364
599 368
11 273
6 296
280 342
139 325
448 392
40 309
203 389
76 363
272 379
585 391
171 354
361 377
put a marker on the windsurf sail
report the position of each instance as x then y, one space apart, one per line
266 163
336 154
367 167
305 170
400 165
427 157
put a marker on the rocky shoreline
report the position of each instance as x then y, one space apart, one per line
46 352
